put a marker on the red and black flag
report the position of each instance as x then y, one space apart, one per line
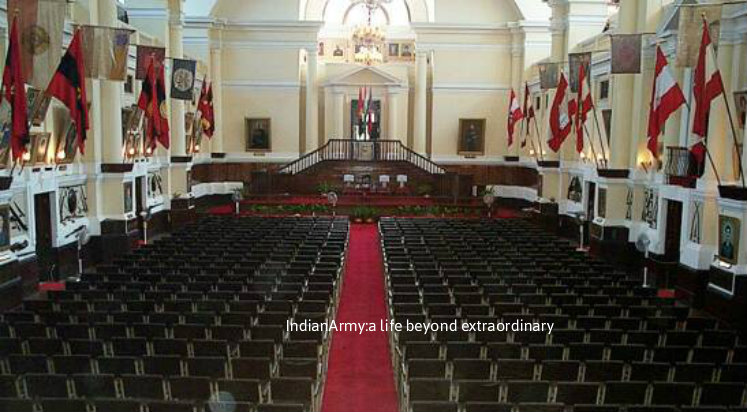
14 92
69 86
205 106
153 102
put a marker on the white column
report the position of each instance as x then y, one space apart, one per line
393 120
622 99
421 102
217 78
176 49
111 98
338 107
312 101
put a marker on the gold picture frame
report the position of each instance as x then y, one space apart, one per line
37 103
258 134
471 137
4 228
40 147
729 231
68 144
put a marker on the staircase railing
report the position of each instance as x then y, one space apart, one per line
360 150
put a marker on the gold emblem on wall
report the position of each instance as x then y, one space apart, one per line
35 40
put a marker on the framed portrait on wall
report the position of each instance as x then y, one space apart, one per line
127 197
740 102
602 203
39 147
729 230
4 228
5 126
67 144
471 137
258 135
393 49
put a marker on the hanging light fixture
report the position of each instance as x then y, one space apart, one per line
367 37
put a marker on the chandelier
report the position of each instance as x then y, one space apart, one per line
368 38
369 56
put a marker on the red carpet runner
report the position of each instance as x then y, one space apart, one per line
360 376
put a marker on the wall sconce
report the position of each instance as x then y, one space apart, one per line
531 152
61 155
131 151
149 150
197 148
646 162
26 156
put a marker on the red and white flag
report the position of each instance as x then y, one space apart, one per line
584 107
708 85
514 115
561 114
666 98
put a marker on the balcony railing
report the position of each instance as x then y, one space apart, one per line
365 151
681 170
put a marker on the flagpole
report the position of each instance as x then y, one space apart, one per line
708 152
591 143
728 111
599 132
539 142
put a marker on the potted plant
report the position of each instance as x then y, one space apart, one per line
357 214
324 187
370 216
424 189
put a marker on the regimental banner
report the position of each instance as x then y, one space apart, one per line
40 25
183 79
105 52
143 54
626 53
549 73
690 32
574 61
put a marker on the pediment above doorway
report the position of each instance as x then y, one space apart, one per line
366 76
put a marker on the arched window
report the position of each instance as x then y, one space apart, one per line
351 13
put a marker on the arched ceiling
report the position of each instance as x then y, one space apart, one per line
198 7
421 11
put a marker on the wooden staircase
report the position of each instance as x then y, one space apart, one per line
381 151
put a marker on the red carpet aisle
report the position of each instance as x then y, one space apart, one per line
360 376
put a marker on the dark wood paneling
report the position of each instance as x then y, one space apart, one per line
498 175
732 309
116 168
690 285
332 172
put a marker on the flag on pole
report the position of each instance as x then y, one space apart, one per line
560 115
708 86
514 115
41 24
666 97
205 107
525 110
69 86
14 94
105 52
183 79
584 107
369 112
361 110
153 102
144 56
